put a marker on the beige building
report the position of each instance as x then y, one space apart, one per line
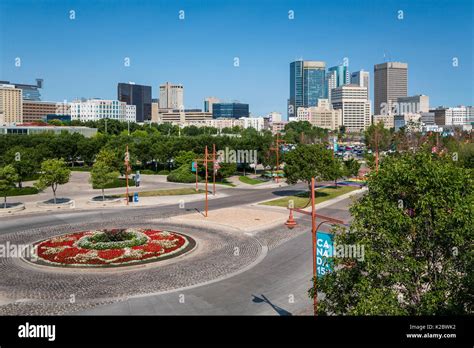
388 120
352 101
34 111
11 106
323 115
390 83
171 96
278 127
155 116
184 116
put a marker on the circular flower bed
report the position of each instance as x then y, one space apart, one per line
113 247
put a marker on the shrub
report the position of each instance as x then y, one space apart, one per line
182 174
163 172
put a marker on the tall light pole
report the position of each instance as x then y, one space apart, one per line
291 223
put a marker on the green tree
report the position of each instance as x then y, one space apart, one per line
110 158
308 161
415 223
185 158
24 160
102 175
377 137
8 177
54 172
351 167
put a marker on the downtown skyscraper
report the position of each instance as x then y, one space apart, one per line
390 83
307 84
137 95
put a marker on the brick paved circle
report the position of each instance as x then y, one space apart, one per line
41 291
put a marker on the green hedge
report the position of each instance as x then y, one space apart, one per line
22 191
182 174
119 182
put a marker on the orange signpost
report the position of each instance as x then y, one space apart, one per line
277 151
205 161
127 170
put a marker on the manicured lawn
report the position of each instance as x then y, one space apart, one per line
28 190
119 182
301 200
250 181
223 182
167 192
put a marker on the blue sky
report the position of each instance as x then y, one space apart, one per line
85 57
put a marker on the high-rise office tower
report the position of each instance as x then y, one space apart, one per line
390 83
307 84
171 96
11 105
137 95
361 78
342 74
355 106
29 92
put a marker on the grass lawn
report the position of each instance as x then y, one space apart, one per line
167 192
28 190
301 199
250 181
119 182
223 182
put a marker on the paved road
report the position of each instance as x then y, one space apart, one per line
276 284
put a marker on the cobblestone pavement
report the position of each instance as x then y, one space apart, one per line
223 265
28 290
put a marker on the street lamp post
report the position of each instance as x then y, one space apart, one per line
291 223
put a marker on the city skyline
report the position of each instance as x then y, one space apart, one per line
203 59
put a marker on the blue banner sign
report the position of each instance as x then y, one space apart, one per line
324 253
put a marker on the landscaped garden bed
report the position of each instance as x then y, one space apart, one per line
110 247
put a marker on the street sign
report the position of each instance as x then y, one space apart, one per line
324 253
193 166
335 144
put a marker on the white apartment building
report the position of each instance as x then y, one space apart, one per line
11 105
355 106
171 96
323 115
97 109
274 116
221 123
131 113
253 122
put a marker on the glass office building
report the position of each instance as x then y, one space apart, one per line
230 110
137 95
29 92
307 84
342 75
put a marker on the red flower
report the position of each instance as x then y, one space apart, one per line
110 253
